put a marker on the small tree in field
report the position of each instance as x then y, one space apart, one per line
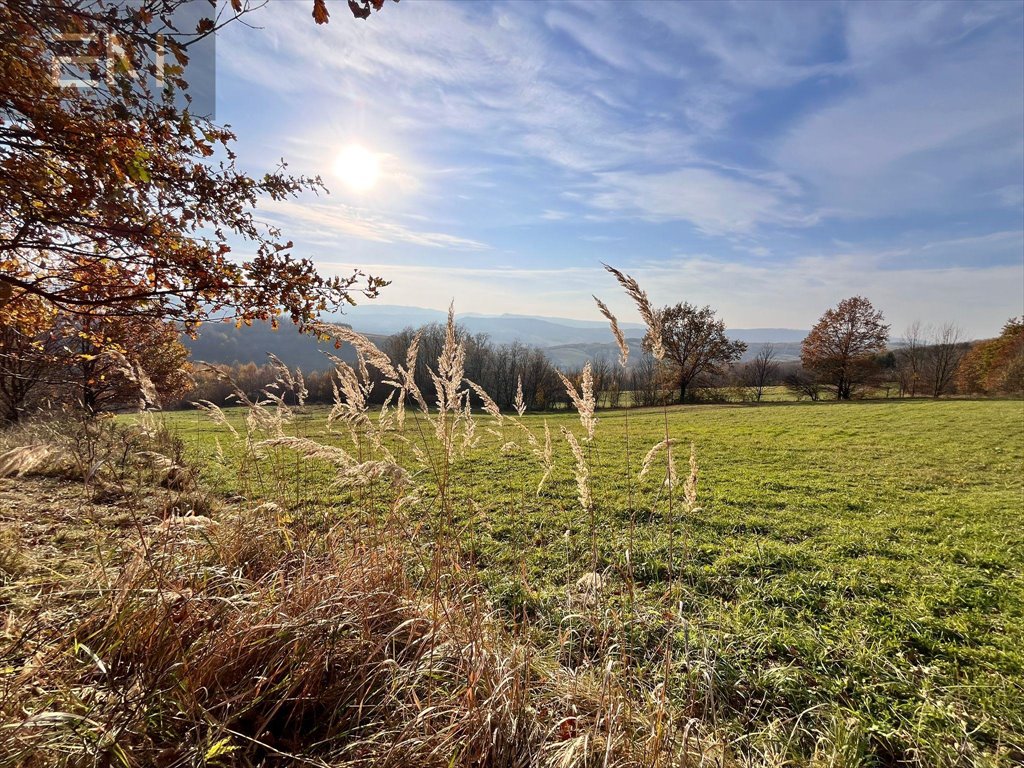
841 346
802 384
944 355
761 371
695 343
910 359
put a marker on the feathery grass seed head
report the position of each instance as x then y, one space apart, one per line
620 339
651 317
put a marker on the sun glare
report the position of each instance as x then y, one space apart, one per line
357 167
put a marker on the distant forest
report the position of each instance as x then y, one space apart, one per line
919 366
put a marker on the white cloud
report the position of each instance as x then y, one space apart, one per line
757 295
889 122
598 41
925 121
553 215
313 220
469 70
714 202
492 75
1012 195
493 78
760 45
882 33
1007 243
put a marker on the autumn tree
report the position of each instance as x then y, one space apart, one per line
841 347
99 363
996 365
28 348
112 363
695 344
108 177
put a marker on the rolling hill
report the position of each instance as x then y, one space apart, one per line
568 343
223 343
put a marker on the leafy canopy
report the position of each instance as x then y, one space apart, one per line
695 343
996 365
117 199
841 346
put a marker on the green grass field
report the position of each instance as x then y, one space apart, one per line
852 573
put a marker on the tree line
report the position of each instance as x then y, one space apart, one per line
94 362
846 355
100 363
502 370
848 351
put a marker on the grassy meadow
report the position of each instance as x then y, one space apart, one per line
845 590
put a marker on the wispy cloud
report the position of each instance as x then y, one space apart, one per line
750 135
333 219
712 201
552 215
927 119
746 295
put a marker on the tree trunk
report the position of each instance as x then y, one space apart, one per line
843 391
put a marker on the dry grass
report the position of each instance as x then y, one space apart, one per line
257 638
233 643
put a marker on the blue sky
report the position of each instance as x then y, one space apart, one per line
766 159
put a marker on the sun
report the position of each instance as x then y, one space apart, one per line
358 167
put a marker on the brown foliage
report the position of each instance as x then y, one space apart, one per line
117 187
27 348
360 9
995 366
140 361
695 343
100 362
841 347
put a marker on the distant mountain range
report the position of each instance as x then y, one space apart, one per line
502 329
223 343
538 331
568 343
